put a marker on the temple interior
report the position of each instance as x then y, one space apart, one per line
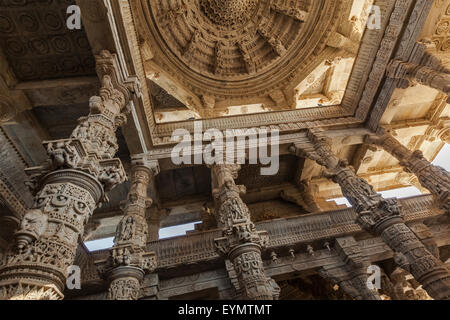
349 100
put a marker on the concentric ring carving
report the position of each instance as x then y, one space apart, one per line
257 46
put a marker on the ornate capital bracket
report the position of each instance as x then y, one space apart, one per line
350 273
409 72
108 66
129 255
143 161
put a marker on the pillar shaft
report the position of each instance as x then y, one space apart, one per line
241 242
130 261
67 189
434 178
381 217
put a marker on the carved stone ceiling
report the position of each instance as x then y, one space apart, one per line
37 43
247 56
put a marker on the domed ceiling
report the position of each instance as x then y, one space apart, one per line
214 54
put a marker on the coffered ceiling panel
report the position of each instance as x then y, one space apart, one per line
37 43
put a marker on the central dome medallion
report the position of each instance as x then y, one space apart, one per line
229 13
237 50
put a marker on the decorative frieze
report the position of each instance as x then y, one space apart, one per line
177 283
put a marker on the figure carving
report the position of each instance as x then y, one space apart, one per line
240 241
32 227
111 177
62 154
71 185
126 229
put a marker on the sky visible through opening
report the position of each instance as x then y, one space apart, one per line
442 159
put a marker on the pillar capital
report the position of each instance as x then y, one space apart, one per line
144 162
388 143
225 173
240 241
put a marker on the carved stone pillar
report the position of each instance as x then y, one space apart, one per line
67 189
241 242
381 217
434 178
130 261
411 72
424 234
351 271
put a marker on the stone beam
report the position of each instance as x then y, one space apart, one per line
434 178
280 267
11 102
292 232
55 83
407 51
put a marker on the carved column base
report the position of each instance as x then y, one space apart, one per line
252 281
125 283
30 280
411 255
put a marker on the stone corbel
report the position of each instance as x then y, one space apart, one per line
147 162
